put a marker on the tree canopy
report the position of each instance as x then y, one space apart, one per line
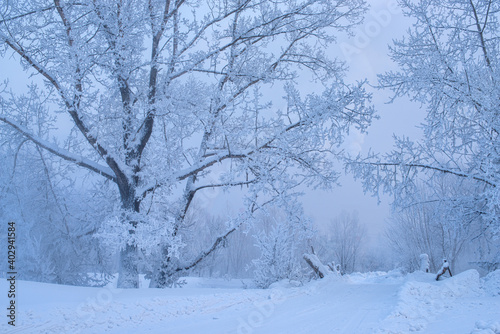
167 99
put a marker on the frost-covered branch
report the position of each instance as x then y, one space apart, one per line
66 155
203 255
32 62
426 167
7 19
69 105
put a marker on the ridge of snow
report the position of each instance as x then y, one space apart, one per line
491 283
422 301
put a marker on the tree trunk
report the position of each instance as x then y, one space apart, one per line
160 276
128 275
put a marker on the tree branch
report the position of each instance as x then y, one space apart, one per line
206 253
66 155
438 169
481 36
19 50
26 14
113 164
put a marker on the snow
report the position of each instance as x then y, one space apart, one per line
380 302
491 283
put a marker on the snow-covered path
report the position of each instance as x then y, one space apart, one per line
324 307
360 303
338 308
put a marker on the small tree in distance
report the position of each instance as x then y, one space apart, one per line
435 225
343 241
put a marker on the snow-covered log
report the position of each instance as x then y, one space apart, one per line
318 267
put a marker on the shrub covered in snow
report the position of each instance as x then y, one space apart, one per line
281 250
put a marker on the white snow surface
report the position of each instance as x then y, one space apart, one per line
380 302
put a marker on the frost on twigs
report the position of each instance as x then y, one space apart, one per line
149 232
280 246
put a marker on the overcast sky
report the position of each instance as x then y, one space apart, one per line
367 55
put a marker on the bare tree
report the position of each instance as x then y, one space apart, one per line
343 241
410 234
436 225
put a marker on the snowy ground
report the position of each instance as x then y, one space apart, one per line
358 303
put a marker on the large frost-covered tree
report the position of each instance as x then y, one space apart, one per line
449 62
169 98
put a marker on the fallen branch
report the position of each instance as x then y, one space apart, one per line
319 268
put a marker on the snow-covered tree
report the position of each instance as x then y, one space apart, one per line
449 61
282 244
162 95
435 228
